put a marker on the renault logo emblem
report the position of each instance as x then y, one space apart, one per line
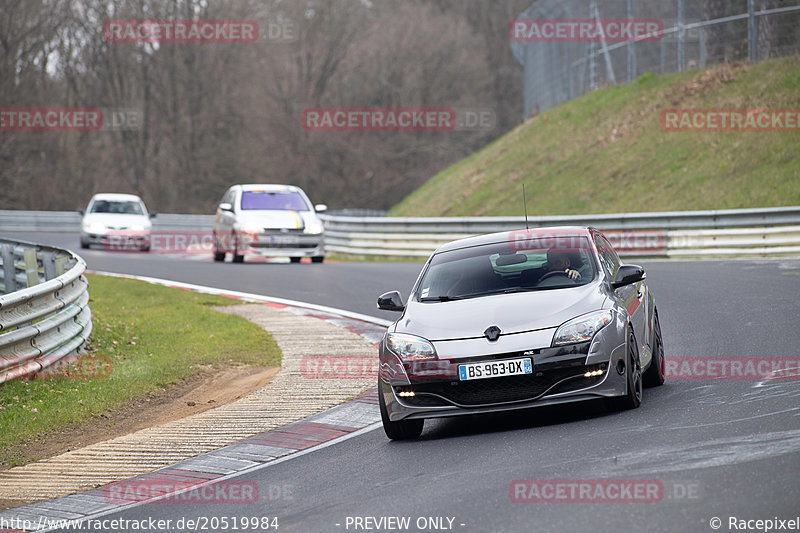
492 333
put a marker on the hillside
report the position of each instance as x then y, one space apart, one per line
606 152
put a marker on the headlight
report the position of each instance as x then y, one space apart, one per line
314 228
95 227
137 227
410 346
582 328
251 228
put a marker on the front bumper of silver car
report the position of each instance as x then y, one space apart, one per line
576 372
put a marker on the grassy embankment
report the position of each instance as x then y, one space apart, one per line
153 337
606 153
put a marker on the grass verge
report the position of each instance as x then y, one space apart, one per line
153 336
606 152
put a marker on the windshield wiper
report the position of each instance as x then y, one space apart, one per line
520 289
441 298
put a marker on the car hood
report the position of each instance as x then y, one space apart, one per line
117 221
512 313
276 219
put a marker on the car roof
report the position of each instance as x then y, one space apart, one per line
120 197
271 187
517 235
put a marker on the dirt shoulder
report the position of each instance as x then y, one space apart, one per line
199 393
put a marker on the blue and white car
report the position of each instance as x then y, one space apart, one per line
268 220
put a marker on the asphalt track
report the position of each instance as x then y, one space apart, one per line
719 448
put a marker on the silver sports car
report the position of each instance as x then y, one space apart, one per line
514 320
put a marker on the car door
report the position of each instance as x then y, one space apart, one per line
631 297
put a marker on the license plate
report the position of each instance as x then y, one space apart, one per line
283 239
495 369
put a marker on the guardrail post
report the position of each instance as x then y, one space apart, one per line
9 270
59 265
49 265
31 266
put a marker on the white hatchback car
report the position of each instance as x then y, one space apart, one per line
110 217
270 221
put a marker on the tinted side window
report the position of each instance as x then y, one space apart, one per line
608 257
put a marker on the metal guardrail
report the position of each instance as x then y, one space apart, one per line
44 311
70 221
724 233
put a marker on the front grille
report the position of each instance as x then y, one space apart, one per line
425 401
271 245
496 390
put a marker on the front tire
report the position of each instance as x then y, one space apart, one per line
318 259
655 374
401 430
237 257
633 374
219 257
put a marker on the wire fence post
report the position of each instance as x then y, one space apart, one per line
593 51
703 50
631 47
752 29
681 35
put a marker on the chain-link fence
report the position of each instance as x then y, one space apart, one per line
563 62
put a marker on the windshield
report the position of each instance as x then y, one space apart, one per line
117 207
274 200
499 269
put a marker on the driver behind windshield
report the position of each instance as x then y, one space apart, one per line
559 261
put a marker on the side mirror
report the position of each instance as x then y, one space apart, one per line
82 212
225 206
320 208
153 214
391 301
628 274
